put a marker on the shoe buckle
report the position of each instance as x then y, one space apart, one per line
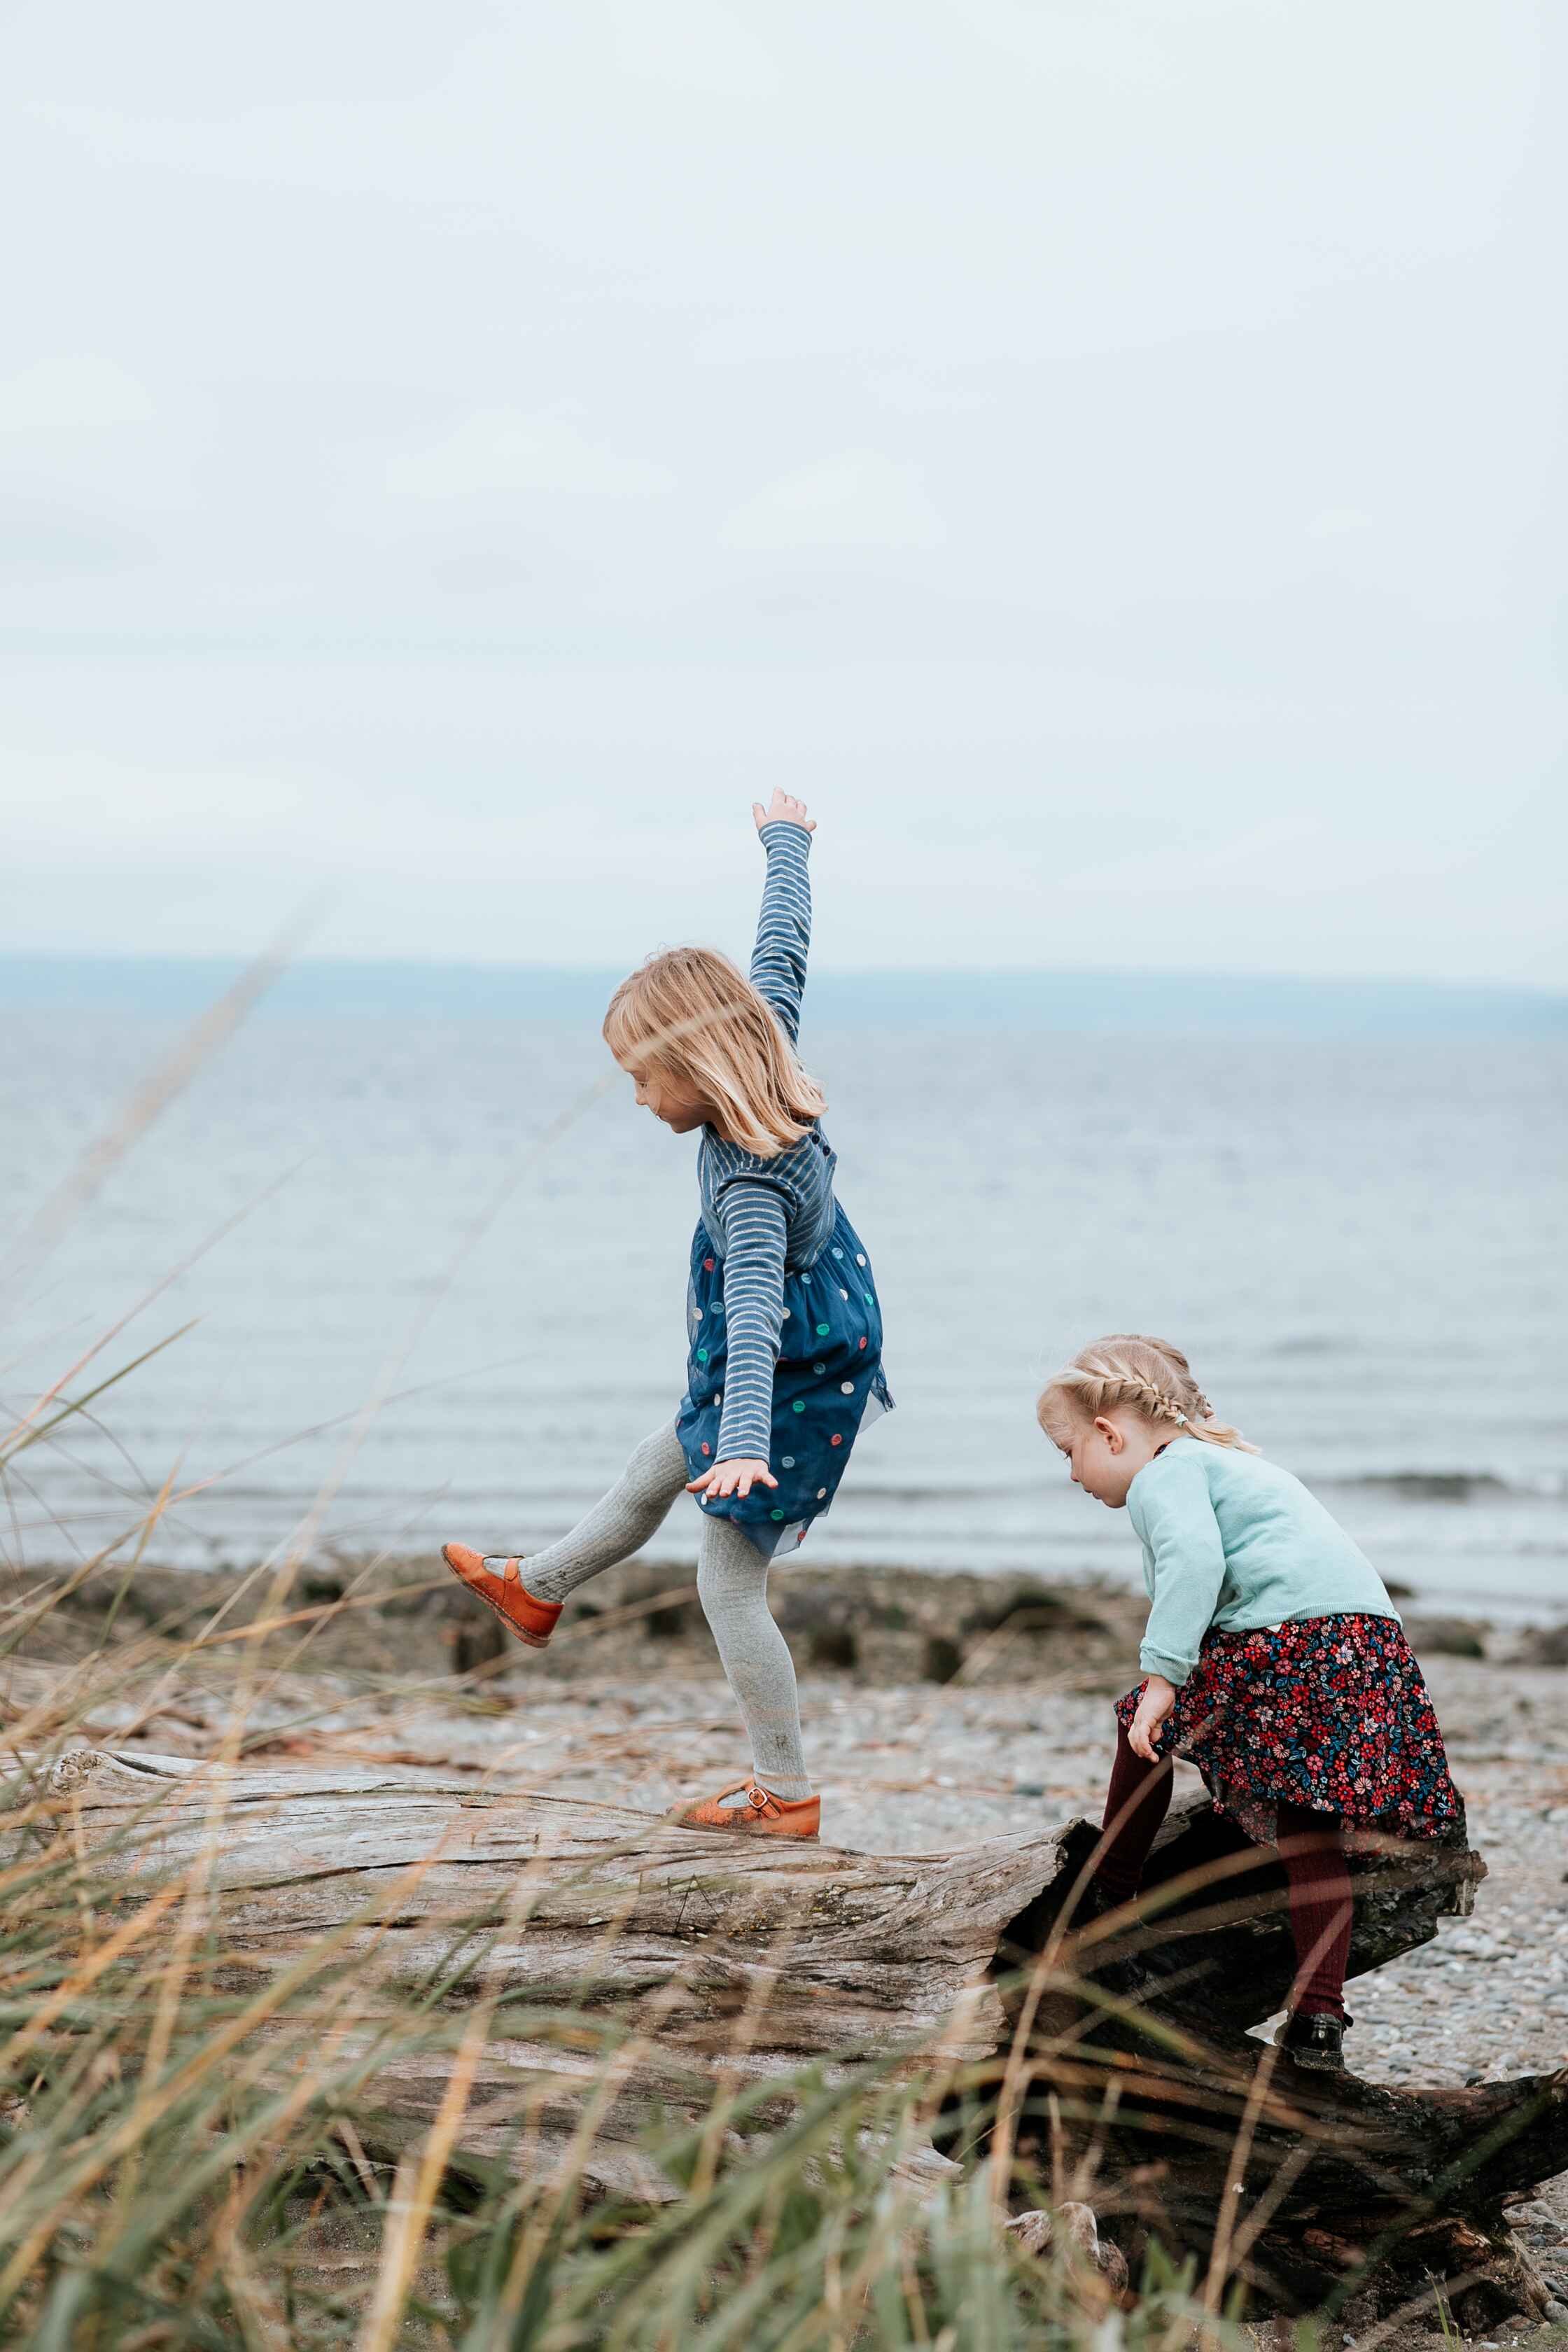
758 1797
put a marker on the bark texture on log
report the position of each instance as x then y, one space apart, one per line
717 1959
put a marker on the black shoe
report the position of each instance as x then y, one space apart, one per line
1317 2043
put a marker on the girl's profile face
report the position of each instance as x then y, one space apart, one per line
670 1098
1105 1456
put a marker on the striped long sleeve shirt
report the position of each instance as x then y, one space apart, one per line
764 1215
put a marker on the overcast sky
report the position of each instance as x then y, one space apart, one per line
1104 453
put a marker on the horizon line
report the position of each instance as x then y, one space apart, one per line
1543 991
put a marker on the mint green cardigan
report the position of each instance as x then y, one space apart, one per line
1233 1541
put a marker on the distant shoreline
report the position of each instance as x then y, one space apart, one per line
1156 1004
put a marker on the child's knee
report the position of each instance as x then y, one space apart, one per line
660 1462
730 1570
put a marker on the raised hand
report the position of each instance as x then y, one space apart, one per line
732 1478
783 810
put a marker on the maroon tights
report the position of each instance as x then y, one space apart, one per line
1312 1849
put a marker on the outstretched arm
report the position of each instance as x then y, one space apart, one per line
783 926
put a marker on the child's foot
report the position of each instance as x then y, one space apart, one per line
762 1815
1317 2043
501 1588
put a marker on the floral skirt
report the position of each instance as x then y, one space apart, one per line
1330 1712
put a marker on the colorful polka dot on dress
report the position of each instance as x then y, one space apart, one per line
827 1362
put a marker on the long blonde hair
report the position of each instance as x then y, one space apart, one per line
693 1013
1131 1368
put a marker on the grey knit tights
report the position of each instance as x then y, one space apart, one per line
732 1582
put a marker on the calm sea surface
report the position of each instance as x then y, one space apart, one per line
451 1295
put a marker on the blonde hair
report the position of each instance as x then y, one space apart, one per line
693 1013
1131 1368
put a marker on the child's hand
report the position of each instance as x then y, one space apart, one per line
1159 1697
732 1477
781 810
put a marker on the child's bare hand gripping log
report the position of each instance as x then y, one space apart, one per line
1159 1697
783 1328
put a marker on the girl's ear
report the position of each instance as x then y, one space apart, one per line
1114 1441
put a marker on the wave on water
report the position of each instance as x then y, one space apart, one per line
1454 1486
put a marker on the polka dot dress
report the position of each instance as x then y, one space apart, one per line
828 1384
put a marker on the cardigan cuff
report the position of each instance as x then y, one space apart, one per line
1175 1670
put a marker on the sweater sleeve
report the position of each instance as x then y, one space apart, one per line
1173 1513
754 1237
784 926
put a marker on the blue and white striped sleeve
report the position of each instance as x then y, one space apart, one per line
753 1217
783 926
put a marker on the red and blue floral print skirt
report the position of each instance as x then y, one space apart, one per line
1331 1713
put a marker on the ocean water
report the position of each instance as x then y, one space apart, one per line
435 1269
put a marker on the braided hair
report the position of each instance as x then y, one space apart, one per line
1131 1369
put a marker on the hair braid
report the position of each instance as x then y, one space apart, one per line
1131 1368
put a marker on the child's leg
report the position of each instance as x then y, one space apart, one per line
1136 1803
732 1580
1313 1848
635 1506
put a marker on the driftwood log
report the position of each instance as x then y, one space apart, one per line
710 1961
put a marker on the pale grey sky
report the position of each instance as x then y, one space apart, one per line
1106 455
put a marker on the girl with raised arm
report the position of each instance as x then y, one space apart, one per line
784 1345
1273 1660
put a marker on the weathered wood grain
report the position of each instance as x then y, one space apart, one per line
628 1969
